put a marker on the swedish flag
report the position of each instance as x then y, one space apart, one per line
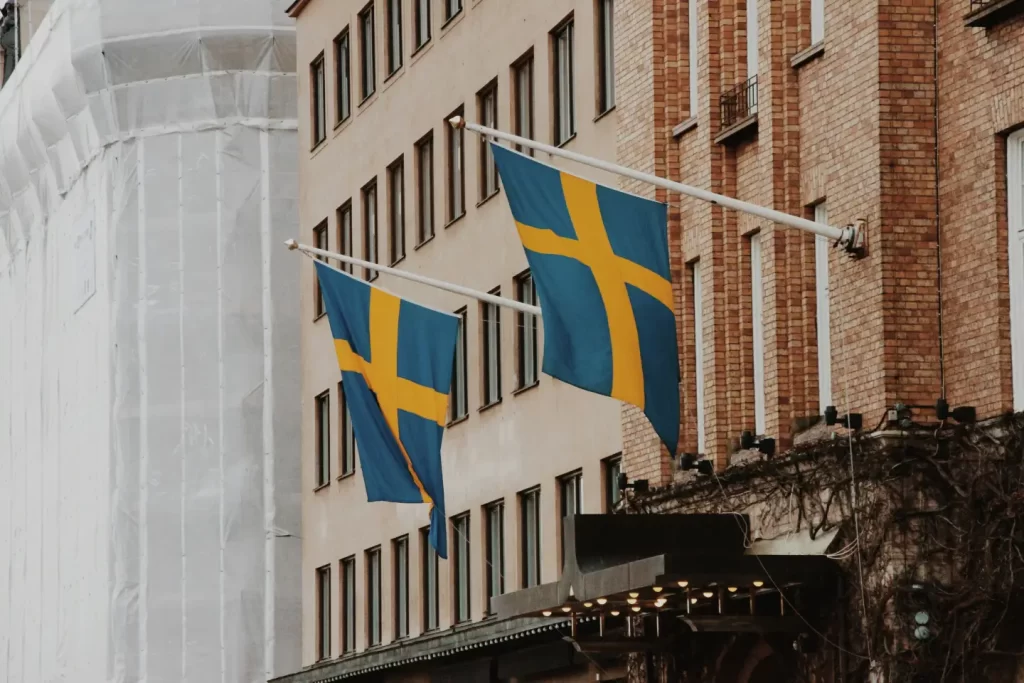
599 258
396 365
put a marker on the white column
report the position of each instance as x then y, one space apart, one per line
1015 212
757 307
698 343
693 57
751 38
821 288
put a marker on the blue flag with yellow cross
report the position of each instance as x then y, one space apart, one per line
600 261
396 368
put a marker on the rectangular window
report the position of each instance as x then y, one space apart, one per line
343 75
345 233
323 438
612 469
526 332
522 86
431 594
320 242
817 21
396 210
461 565
348 435
370 227
323 612
373 602
318 100
495 516
487 106
564 78
692 51
425 188
490 315
367 54
451 8
348 606
529 520
751 38
1015 224
456 159
394 35
400 547
422 22
570 501
458 405
698 350
823 319
605 55
757 309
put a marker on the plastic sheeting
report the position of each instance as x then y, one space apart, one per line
149 346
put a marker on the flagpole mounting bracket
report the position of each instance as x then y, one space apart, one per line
853 238
291 244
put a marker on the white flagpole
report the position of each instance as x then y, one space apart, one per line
849 236
421 279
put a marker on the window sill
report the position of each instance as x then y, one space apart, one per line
420 49
566 141
685 127
368 100
424 242
316 318
526 387
808 55
340 125
343 477
373 276
488 198
454 220
315 149
738 131
392 78
450 21
393 74
321 487
457 420
397 261
488 406
605 113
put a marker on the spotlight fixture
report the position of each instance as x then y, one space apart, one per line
615 612
547 613
850 420
963 414
762 443
708 594
602 601
631 601
567 608
657 589
683 584
758 584
638 485
588 604
634 594
732 589
636 608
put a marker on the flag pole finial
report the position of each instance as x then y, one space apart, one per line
457 122
291 244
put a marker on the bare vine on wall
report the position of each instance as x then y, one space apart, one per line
934 578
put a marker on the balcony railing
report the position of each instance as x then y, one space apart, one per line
739 103
988 13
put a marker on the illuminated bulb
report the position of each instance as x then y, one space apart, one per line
732 589
634 595
615 612
758 584
636 608
657 589
602 601
567 609
683 584
660 602
708 594
631 601
547 613
588 604
693 601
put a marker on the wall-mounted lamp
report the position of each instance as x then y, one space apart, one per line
764 444
850 420
638 485
693 461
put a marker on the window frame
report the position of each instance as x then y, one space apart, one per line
431 564
449 15
455 174
457 412
611 468
374 602
462 569
425 189
751 28
817 21
347 440
487 103
371 228
605 27
528 578
526 324
490 334
569 482
343 76
495 552
396 210
323 613
395 61
400 587
322 407
343 218
421 7
566 27
524 64
367 53
318 100
321 240
348 605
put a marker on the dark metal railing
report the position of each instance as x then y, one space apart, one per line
739 103
979 4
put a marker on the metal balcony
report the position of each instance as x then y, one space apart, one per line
739 104
988 13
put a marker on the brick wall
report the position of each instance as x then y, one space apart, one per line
854 127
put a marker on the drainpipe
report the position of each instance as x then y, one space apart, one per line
938 216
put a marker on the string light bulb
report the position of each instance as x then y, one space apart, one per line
758 584
547 613
567 608
636 608
732 589
657 589
602 601
631 601
634 595
708 594
660 602
683 584
588 604
615 612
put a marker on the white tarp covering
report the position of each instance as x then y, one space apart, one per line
149 346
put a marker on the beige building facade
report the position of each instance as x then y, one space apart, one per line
383 177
